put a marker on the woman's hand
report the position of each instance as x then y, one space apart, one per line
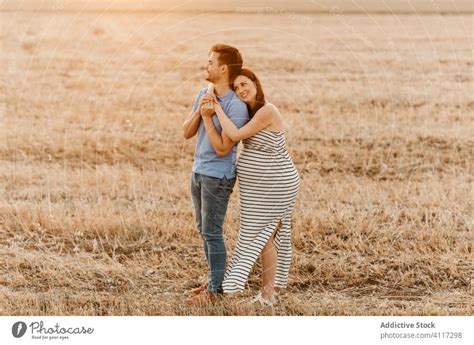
206 106
217 105
209 105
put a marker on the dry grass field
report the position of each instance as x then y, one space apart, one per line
95 209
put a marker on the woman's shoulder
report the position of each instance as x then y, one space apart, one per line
273 116
268 109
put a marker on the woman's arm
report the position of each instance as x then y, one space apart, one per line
221 143
259 121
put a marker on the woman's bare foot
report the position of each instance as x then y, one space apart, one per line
269 294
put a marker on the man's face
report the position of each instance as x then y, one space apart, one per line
213 70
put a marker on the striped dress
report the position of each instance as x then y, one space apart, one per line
269 183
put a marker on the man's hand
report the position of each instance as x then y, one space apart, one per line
206 105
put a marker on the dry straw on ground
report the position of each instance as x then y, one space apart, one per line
95 211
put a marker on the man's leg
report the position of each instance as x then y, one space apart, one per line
196 196
215 198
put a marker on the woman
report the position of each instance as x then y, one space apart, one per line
269 183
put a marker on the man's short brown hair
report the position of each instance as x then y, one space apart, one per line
229 56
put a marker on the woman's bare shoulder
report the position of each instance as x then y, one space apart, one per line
269 109
272 107
276 122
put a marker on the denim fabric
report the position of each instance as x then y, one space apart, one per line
210 199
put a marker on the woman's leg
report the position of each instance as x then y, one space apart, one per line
269 263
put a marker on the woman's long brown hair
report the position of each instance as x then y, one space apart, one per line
260 97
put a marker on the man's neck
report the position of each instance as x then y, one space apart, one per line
221 87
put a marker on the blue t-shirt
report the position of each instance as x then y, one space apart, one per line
206 160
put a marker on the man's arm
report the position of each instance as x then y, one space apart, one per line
191 125
221 143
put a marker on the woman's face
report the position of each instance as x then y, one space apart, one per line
245 89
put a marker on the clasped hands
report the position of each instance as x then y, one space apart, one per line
208 105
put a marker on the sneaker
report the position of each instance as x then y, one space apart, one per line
199 290
201 299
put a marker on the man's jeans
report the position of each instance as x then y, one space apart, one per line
210 199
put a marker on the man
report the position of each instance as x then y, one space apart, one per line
214 172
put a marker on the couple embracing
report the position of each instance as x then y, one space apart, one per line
233 108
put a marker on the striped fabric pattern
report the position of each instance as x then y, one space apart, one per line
269 183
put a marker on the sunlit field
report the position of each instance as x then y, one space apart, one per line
96 215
